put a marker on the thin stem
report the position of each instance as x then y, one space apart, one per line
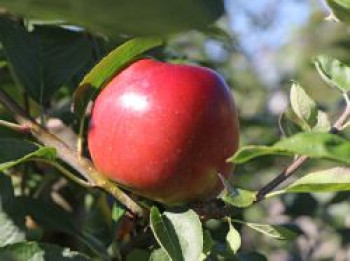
14 126
83 165
299 160
64 171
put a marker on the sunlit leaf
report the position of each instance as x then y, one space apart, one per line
303 106
233 239
179 233
329 180
315 145
239 197
275 231
341 9
323 123
333 72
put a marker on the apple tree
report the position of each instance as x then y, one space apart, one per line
56 204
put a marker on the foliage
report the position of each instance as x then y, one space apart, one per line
49 66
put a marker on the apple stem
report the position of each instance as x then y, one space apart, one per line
81 164
299 160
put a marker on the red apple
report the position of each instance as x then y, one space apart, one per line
165 131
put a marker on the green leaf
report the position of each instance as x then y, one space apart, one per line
330 180
117 212
303 106
119 17
333 72
12 229
275 231
15 151
109 66
32 251
314 145
159 255
138 254
340 9
22 53
290 123
239 197
208 244
179 233
323 124
233 238
44 59
53 218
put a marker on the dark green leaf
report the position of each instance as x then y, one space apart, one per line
31 251
44 59
109 66
11 215
333 72
119 17
138 255
208 244
239 197
22 53
15 151
330 180
315 145
53 218
303 106
341 9
179 233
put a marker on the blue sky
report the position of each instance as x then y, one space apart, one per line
281 16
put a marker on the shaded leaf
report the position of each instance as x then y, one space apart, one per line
118 17
303 106
179 233
44 59
32 251
11 215
16 151
53 218
315 145
330 180
333 72
109 66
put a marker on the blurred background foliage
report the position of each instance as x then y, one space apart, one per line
258 46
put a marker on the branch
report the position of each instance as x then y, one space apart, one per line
83 165
299 160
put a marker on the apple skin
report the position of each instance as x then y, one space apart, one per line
164 131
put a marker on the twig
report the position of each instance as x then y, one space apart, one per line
299 160
64 171
14 126
83 165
